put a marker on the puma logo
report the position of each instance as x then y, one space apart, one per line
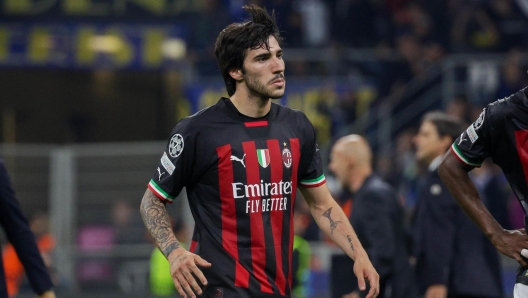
238 159
461 139
160 173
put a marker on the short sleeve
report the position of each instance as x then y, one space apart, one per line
472 147
175 167
311 169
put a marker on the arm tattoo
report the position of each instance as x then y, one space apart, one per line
167 250
350 242
157 221
333 224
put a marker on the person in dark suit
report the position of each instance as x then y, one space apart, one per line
453 259
377 210
17 230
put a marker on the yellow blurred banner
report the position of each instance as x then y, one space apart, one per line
92 45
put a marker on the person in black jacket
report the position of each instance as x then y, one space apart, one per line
17 230
378 215
453 258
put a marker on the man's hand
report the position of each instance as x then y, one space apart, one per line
182 267
48 294
436 291
510 243
354 294
364 270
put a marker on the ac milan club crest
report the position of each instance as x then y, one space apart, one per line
263 157
286 158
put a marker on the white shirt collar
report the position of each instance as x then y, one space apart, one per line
435 163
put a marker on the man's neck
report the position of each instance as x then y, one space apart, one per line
251 106
358 177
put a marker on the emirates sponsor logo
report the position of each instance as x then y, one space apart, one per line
241 190
277 202
267 205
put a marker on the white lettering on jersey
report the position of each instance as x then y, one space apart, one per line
472 134
267 205
167 163
241 160
240 190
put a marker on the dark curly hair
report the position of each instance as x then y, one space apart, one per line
235 40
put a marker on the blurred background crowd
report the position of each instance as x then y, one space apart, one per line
90 90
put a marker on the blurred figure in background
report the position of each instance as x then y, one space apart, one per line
459 107
448 247
14 270
20 236
161 284
512 76
127 225
301 255
378 215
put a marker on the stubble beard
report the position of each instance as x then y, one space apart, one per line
258 90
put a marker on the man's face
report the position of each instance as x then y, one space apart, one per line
263 71
428 143
338 165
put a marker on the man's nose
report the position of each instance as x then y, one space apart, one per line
277 65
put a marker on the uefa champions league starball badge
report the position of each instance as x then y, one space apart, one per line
176 145
480 120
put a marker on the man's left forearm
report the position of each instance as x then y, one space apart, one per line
334 223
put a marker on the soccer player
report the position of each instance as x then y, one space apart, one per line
23 240
448 247
242 162
500 132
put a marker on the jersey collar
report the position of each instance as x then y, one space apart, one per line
248 121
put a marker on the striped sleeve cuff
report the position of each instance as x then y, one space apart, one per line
458 154
313 182
160 193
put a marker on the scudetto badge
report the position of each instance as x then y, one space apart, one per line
176 145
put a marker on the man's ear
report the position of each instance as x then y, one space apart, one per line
236 74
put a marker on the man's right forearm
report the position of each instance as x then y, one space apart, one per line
157 221
457 180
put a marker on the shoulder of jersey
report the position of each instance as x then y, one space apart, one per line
200 116
288 112
508 104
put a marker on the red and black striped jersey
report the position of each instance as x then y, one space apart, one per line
500 132
241 175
